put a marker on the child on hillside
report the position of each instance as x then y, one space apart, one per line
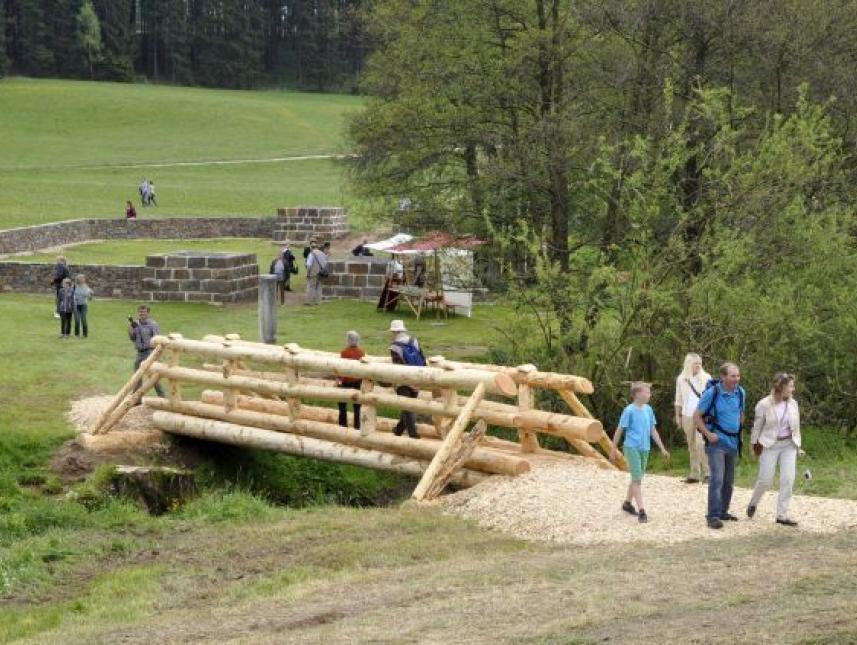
65 306
82 296
638 424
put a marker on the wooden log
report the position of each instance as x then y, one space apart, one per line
123 392
368 413
449 443
457 459
535 420
175 387
130 401
603 440
237 435
526 402
483 460
428 377
314 413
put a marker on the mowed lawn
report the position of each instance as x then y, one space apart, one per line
69 149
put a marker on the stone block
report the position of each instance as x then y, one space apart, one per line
359 268
378 268
189 285
164 274
177 261
195 262
198 297
156 261
201 274
182 274
215 286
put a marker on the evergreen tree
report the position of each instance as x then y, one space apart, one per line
2 39
117 35
89 35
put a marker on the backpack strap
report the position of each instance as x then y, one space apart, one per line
690 383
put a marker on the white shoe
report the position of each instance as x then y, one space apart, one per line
56 315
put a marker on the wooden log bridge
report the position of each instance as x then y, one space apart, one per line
278 398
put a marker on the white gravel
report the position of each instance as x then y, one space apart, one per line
581 504
84 414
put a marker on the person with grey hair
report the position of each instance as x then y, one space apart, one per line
352 352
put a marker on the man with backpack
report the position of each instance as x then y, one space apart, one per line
719 416
405 350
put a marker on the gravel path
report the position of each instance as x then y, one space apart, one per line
580 504
84 414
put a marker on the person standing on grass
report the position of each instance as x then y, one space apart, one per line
352 352
776 441
688 388
316 269
639 426
719 416
61 272
278 269
141 332
406 350
130 211
82 296
152 201
144 192
291 267
66 307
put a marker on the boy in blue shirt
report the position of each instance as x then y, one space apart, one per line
638 424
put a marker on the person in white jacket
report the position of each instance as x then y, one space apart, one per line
688 388
776 441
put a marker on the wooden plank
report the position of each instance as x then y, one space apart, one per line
122 393
457 459
579 409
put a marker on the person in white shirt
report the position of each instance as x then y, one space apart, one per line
688 388
776 441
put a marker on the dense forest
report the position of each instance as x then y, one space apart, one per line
312 44
655 176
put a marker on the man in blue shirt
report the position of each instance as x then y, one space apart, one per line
719 416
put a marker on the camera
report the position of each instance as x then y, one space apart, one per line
132 321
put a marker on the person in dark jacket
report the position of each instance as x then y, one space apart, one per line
141 332
65 305
61 272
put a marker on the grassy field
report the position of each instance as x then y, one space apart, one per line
74 149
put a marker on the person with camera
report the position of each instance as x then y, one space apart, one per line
141 332
776 441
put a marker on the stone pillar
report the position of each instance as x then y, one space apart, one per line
268 308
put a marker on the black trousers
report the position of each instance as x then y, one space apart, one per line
65 323
343 407
407 419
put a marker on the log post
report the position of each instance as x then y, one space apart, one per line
579 409
526 402
230 394
457 459
268 308
121 394
368 413
449 443
174 384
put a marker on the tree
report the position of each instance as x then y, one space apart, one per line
89 35
3 61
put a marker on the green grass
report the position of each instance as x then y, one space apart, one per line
64 143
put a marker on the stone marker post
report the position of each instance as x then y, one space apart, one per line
268 308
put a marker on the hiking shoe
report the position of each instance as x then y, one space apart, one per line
691 480
628 507
642 518
786 522
715 524
728 517
751 510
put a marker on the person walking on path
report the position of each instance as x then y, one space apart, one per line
316 269
144 192
278 269
406 350
352 352
130 211
141 332
65 306
639 426
152 201
776 442
291 266
688 388
61 272
719 416
82 296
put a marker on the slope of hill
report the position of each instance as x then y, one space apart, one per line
77 149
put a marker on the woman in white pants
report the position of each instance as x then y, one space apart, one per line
776 441
688 388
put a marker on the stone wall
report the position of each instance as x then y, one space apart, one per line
106 281
201 277
33 238
355 278
305 222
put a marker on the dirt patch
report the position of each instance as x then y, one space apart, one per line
581 504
